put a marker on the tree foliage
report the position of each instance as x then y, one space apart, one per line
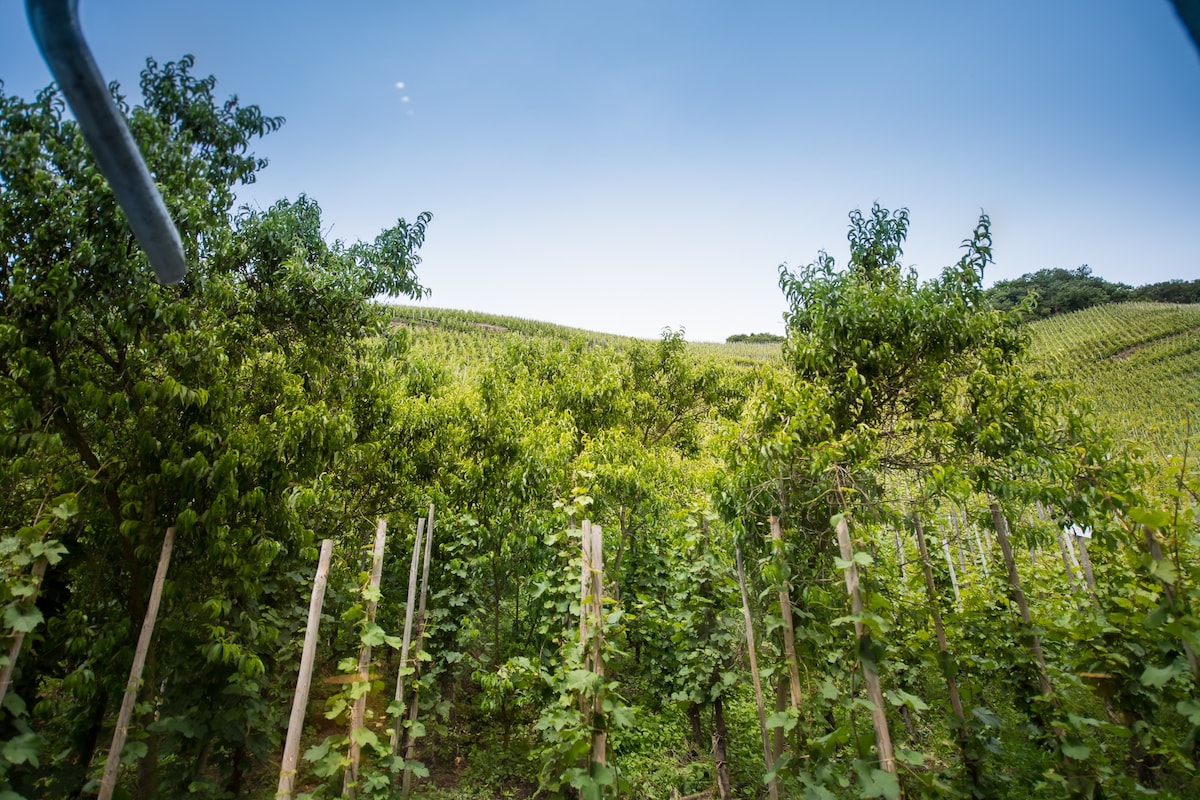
1058 291
219 407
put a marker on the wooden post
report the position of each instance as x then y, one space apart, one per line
291 748
1085 561
773 786
900 555
1000 524
785 611
982 553
883 738
958 541
940 629
108 783
585 581
14 650
1066 559
950 567
410 742
408 620
599 732
719 738
358 712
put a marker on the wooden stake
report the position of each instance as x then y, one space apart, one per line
599 732
1066 559
291 748
410 741
900 556
585 580
958 540
950 567
359 712
1000 524
883 738
108 783
14 650
719 738
785 610
773 785
408 620
940 629
982 553
1086 562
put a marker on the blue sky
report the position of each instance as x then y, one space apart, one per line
627 166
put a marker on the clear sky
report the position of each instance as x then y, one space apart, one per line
630 165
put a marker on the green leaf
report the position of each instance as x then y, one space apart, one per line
622 716
899 697
1191 709
1150 517
1075 750
23 749
14 704
580 680
604 774
364 737
880 783
781 719
20 619
1159 676
987 717
66 509
134 751
1165 571
373 635
317 751
863 559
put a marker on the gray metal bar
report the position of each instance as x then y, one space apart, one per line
55 25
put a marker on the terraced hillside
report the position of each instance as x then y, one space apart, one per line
1138 363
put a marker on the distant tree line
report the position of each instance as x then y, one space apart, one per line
1061 290
754 338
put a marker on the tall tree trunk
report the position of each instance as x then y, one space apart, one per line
696 743
720 738
781 704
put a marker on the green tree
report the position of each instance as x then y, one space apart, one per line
222 407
